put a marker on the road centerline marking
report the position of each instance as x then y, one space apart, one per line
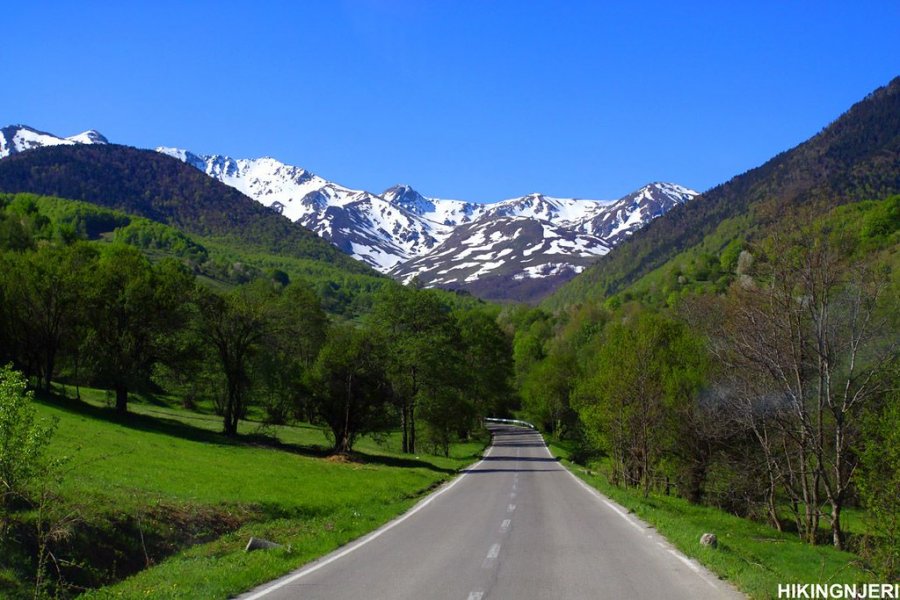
511 508
505 524
494 552
491 559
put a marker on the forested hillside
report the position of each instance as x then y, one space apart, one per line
742 352
855 158
164 189
774 399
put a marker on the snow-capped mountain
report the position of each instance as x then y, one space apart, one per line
516 248
445 212
524 247
626 215
17 138
367 226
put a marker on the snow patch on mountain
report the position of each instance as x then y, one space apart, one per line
440 242
543 237
19 138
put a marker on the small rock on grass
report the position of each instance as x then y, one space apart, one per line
260 544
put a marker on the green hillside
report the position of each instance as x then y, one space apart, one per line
740 355
166 190
162 492
855 158
219 262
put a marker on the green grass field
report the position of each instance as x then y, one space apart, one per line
753 556
162 487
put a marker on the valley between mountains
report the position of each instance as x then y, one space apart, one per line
197 350
517 249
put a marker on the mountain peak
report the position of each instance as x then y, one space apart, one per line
402 193
406 197
18 138
661 191
91 136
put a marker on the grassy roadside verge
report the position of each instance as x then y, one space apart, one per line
162 491
754 557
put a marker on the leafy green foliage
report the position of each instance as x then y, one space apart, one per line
42 292
219 265
642 379
290 352
735 375
149 235
236 326
487 363
879 481
423 349
349 385
24 440
134 311
21 223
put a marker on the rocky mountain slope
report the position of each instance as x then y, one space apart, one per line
520 249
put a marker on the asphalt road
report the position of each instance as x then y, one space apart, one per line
515 526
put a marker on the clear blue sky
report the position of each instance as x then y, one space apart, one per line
479 100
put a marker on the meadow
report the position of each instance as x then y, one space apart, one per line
161 497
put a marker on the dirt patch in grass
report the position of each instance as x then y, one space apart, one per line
100 547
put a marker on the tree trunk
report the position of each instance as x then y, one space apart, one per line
837 533
231 423
412 411
48 366
404 426
121 398
772 506
344 444
412 428
230 420
697 478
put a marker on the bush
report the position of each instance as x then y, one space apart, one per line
879 482
23 439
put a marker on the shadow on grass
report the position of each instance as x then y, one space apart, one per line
521 458
177 428
399 461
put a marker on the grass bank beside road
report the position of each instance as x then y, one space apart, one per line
162 493
754 557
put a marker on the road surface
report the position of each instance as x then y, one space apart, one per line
515 526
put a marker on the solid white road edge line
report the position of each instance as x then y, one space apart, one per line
369 537
692 564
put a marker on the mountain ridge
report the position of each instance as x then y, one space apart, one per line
409 236
405 234
855 157
152 185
